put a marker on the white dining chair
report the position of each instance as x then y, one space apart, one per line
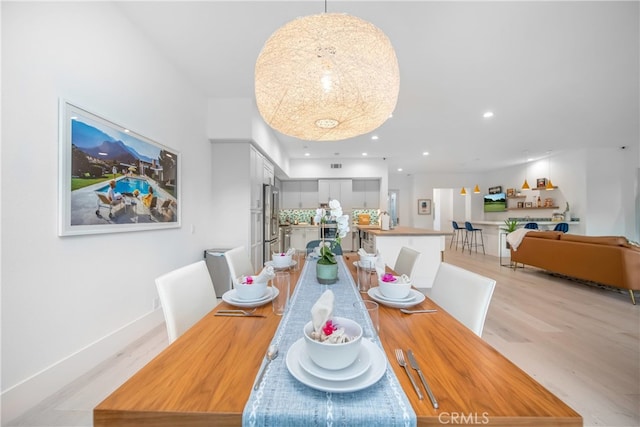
406 261
187 295
463 294
239 263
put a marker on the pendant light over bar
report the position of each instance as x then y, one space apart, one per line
327 77
549 185
476 189
463 192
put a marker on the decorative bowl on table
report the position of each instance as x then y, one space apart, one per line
334 356
393 286
281 260
367 260
250 291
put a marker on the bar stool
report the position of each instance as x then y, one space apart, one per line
531 225
562 226
457 234
474 237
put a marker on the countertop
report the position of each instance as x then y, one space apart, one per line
520 223
402 231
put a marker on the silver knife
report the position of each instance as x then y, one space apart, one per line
414 365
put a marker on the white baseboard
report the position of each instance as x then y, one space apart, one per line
25 395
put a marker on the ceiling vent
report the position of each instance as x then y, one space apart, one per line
336 165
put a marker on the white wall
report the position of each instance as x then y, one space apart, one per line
70 302
238 119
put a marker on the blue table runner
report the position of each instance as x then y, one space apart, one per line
282 400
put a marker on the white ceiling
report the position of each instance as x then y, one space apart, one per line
557 75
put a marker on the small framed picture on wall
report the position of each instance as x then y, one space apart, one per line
424 206
528 204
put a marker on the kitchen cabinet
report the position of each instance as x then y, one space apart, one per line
301 235
238 176
267 173
256 167
338 189
366 193
300 194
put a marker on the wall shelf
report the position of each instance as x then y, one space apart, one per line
533 207
516 197
544 188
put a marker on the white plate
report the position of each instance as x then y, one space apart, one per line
371 376
227 297
408 298
375 294
352 371
270 264
235 297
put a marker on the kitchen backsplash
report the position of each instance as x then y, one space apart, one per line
305 215
293 215
373 214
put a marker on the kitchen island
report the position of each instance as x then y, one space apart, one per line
430 244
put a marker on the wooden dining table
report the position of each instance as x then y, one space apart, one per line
205 377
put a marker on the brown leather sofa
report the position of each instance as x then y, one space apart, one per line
609 260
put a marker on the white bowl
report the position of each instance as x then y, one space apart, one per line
369 258
251 291
394 290
334 356
280 260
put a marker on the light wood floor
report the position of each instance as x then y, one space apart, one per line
581 342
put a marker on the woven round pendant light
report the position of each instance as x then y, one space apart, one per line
327 77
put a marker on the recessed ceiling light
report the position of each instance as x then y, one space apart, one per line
126 131
307 154
426 153
374 137
364 154
488 114
399 169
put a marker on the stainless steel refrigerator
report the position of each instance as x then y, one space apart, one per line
271 235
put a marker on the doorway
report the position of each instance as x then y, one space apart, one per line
392 202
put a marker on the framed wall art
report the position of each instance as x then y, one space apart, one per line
424 206
541 182
112 179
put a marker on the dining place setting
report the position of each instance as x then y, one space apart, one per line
395 291
284 260
252 291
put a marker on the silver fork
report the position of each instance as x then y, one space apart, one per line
244 312
401 362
